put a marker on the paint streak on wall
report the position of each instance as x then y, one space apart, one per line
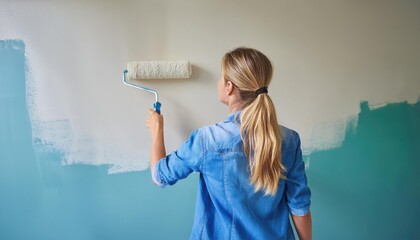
58 135
368 188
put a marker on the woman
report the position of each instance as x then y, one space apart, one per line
252 175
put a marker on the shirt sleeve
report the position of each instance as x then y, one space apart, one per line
179 164
297 191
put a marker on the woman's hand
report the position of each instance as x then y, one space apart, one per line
155 123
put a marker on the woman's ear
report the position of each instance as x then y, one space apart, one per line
229 88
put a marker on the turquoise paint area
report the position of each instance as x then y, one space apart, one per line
369 188
366 189
40 199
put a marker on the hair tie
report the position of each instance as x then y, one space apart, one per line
261 90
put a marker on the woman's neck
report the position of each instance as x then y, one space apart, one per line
236 106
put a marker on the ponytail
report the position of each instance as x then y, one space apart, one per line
250 71
262 144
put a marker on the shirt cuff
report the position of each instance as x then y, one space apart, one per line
156 178
299 211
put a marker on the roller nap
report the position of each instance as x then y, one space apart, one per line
159 69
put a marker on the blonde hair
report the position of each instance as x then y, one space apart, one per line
249 70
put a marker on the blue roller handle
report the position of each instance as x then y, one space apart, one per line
157 105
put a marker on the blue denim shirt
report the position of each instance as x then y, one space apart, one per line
227 206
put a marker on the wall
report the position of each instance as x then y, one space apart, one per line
368 187
73 141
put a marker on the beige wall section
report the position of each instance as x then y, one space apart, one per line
327 55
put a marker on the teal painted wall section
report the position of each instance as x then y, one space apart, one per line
40 199
366 189
19 178
369 188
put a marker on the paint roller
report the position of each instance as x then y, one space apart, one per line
155 70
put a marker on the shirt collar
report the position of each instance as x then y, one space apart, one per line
234 117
